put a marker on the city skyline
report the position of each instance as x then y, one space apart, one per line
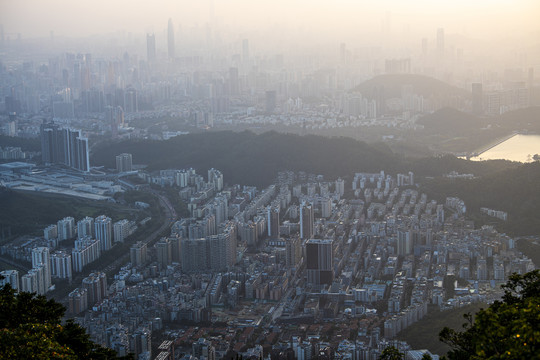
486 20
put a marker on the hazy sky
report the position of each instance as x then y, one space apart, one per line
340 18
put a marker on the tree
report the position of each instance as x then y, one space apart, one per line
507 329
31 328
391 353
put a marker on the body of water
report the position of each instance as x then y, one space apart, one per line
517 148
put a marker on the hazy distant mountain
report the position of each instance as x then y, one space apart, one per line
391 85
449 121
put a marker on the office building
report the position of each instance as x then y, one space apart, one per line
123 162
103 231
319 262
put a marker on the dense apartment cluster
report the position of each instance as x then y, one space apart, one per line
52 258
302 267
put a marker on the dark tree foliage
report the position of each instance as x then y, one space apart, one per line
507 329
250 159
31 328
391 353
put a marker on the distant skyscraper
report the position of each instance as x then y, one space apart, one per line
477 105
130 100
319 262
440 41
273 221
234 84
170 39
424 47
270 101
103 231
150 47
245 50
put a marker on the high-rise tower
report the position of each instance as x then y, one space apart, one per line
319 262
103 231
151 47
306 221
170 39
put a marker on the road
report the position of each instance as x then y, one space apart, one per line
169 219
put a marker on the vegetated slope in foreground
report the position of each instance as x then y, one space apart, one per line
250 159
424 334
516 191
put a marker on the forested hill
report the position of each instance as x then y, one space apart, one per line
516 191
251 159
247 158
449 121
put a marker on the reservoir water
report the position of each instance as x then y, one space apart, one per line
517 148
